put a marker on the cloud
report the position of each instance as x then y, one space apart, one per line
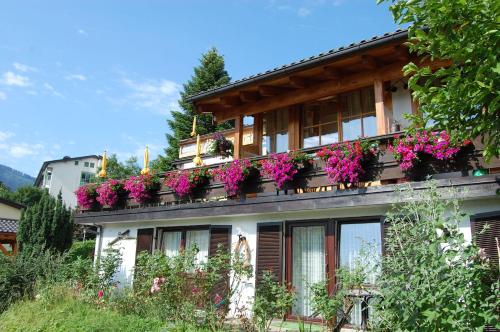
303 12
10 78
158 96
82 32
3 96
52 90
4 135
301 8
23 68
76 77
24 149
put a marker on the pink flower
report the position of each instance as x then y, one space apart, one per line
100 294
157 282
108 192
86 196
140 187
217 299
280 168
233 175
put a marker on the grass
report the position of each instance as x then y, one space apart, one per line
61 312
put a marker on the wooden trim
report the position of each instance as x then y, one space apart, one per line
378 86
257 131
238 136
294 127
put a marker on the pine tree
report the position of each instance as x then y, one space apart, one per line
47 224
209 74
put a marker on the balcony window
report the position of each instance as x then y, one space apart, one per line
275 131
358 116
320 123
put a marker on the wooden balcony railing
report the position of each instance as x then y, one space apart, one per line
383 170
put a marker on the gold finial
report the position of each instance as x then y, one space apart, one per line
197 159
193 131
102 172
146 170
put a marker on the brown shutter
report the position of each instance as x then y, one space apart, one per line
385 234
144 240
486 240
220 235
269 250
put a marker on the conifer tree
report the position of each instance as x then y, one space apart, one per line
47 224
209 74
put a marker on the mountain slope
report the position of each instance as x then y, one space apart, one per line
14 179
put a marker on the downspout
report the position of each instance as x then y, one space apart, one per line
99 244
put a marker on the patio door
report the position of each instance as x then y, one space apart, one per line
308 258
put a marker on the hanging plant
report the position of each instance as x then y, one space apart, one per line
282 167
344 161
86 196
233 175
184 182
221 146
141 187
109 192
410 149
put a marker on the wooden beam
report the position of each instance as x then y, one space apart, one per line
299 82
369 62
249 96
257 132
294 127
324 89
208 108
378 86
331 73
401 53
238 136
230 100
270 91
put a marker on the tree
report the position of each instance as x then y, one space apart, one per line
121 170
47 224
209 74
432 279
465 97
26 195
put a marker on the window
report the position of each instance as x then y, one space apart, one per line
174 241
48 177
92 165
343 118
86 164
86 177
275 131
320 123
76 162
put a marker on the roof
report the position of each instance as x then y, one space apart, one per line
8 225
39 177
11 203
305 63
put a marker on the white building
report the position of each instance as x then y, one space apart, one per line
66 175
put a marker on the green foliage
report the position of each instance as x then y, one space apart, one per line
272 300
209 74
465 97
14 179
433 280
59 310
27 195
81 249
120 170
19 274
48 224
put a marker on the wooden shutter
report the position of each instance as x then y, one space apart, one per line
144 240
269 250
220 235
486 240
385 234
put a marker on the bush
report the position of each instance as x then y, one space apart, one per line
81 249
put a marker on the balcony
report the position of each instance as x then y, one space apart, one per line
260 194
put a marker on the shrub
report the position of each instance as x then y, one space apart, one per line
272 300
81 249
433 280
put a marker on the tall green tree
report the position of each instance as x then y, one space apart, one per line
465 97
118 170
210 73
47 224
26 195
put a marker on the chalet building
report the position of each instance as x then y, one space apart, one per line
304 232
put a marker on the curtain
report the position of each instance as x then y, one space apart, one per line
199 238
308 249
361 238
171 243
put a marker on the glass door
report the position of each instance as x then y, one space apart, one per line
308 265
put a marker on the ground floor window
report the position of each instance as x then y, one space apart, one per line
173 241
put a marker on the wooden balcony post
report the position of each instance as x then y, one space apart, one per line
238 136
378 86
294 127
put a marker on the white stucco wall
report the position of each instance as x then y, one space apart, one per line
66 178
9 212
247 226
401 104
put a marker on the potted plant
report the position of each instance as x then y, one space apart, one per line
221 146
184 182
283 167
344 162
234 175
109 193
140 188
86 196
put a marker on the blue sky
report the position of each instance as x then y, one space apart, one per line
78 77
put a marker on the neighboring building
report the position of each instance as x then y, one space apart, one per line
10 213
304 233
66 175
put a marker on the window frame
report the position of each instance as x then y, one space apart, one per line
183 230
266 133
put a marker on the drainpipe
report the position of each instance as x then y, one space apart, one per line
99 243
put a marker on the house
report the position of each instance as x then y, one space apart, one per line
10 213
66 175
304 232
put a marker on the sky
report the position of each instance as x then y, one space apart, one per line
82 76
